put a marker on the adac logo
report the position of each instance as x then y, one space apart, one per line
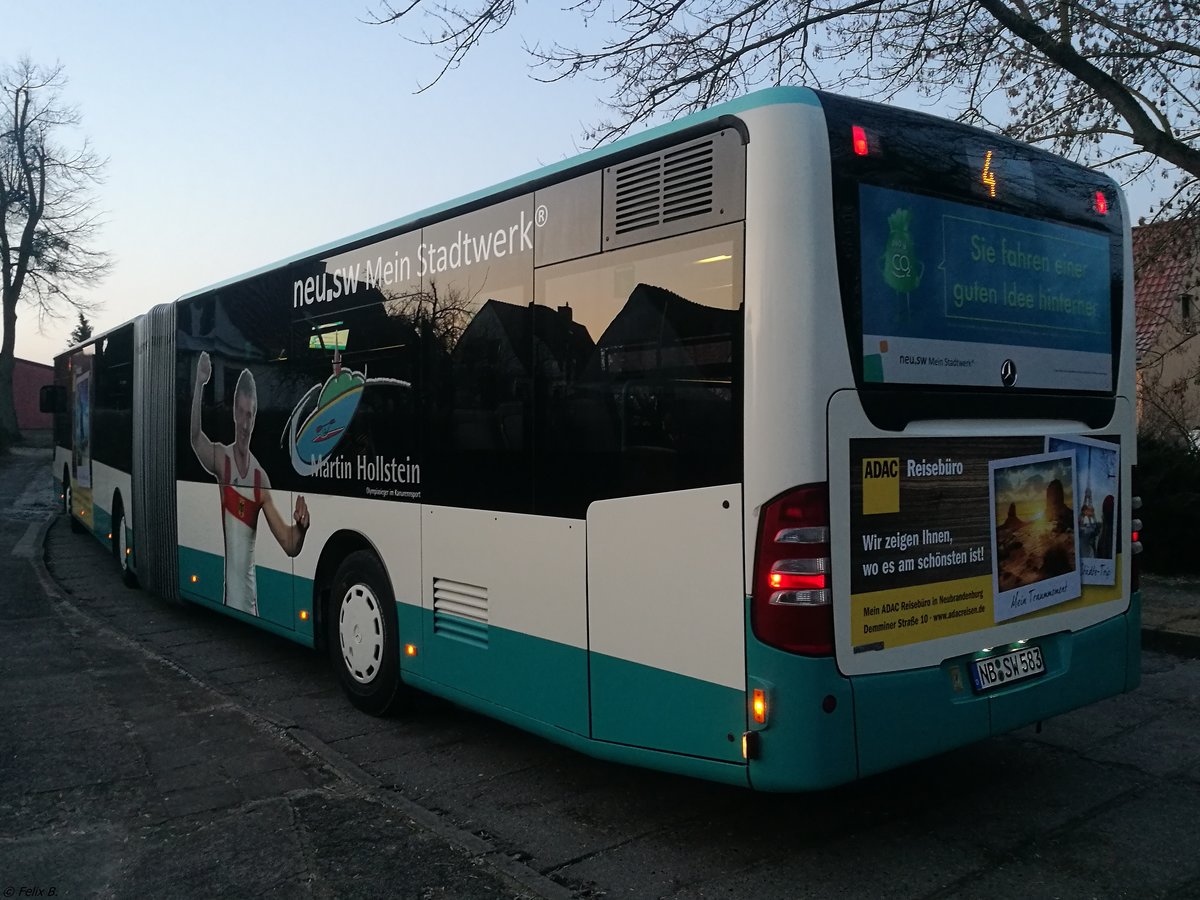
312 438
881 485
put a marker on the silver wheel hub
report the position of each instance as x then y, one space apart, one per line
360 633
122 547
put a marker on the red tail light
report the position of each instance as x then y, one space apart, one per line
791 607
858 139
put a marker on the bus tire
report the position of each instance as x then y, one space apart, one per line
76 525
364 644
120 547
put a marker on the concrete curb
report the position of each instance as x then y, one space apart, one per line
1175 642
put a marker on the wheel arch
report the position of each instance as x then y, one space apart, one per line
339 546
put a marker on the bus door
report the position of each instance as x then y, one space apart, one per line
666 622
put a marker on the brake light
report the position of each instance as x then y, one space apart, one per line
858 137
791 607
1100 203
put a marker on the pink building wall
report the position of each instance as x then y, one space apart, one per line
28 379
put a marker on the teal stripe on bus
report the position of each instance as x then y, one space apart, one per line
539 678
804 744
675 763
1091 671
906 716
873 723
648 707
280 595
631 704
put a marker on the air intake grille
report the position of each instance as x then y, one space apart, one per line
665 187
684 188
460 611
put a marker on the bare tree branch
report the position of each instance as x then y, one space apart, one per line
1105 82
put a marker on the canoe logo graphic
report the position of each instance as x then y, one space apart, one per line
316 426
902 270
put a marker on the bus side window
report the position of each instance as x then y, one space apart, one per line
481 395
649 399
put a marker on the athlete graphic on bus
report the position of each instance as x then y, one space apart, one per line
244 488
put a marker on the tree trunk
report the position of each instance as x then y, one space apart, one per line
10 433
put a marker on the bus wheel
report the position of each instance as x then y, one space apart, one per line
364 645
76 525
120 548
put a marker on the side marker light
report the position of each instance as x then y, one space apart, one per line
759 706
410 649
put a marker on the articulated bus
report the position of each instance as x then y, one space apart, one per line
779 446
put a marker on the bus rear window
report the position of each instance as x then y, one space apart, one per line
979 276
962 295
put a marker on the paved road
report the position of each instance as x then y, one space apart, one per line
280 787
123 774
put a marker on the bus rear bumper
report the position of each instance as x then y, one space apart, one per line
883 721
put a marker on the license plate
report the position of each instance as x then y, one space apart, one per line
1007 667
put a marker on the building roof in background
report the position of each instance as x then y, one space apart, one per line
1166 263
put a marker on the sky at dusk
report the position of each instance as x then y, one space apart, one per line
239 134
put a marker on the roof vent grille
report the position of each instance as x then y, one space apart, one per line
683 188
665 187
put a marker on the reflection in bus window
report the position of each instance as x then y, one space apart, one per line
647 398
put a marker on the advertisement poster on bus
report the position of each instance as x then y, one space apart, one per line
961 295
81 444
954 535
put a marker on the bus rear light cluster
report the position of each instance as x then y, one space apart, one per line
792 606
1135 538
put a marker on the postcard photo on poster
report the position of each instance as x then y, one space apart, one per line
1034 532
1097 505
